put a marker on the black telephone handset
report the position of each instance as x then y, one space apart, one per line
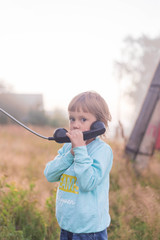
97 128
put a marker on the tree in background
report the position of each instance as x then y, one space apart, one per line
134 70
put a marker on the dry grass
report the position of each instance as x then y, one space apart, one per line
136 197
22 160
23 157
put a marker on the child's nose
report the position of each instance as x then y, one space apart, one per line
76 125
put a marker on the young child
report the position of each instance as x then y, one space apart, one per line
83 167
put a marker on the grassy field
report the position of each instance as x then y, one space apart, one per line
27 200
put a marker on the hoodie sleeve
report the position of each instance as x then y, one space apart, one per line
91 170
55 168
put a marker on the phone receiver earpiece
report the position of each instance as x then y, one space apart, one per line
97 128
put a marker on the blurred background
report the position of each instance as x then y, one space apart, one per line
52 50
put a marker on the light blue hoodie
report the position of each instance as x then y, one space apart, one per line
82 204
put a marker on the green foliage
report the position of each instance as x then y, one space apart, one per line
140 229
20 218
52 228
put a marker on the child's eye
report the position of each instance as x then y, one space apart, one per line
83 119
71 119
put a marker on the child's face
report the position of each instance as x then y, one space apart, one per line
81 120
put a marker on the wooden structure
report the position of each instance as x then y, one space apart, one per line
145 136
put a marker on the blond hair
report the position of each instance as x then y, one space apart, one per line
93 103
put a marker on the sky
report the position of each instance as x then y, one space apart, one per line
63 47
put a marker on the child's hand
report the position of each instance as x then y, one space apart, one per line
76 137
